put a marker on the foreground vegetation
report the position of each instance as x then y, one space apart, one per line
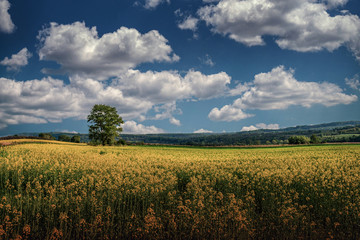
72 191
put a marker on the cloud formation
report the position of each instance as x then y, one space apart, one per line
334 3
80 51
201 130
300 25
278 89
50 100
133 93
152 4
228 113
17 60
166 111
207 60
169 86
353 82
260 126
189 23
132 127
6 24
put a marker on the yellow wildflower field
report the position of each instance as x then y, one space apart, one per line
74 191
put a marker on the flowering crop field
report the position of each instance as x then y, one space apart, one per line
74 191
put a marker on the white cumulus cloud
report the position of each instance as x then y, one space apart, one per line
166 111
300 25
201 130
260 126
50 100
133 93
335 3
168 86
278 89
132 127
6 24
189 23
79 49
17 60
175 121
228 113
207 86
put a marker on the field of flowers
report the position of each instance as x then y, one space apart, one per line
74 191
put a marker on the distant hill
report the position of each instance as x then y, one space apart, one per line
323 126
328 132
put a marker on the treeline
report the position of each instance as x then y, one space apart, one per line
260 137
62 137
19 137
323 133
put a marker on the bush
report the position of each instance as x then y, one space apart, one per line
46 136
314 139
299 140
64 138
75 139
121 142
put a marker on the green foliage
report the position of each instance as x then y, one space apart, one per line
299 140
75 139
121 142
314 139
46 136
104 124
64 138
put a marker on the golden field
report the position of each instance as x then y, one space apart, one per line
74 191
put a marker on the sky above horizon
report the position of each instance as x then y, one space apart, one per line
178 66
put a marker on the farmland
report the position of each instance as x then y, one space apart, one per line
75 191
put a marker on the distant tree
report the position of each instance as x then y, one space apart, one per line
104 124
314 139
75 139
64 138
299 140
121 142
46 136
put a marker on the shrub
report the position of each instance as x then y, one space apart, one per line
299 140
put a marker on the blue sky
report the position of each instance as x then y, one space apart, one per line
178 66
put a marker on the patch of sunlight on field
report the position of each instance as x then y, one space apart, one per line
72 191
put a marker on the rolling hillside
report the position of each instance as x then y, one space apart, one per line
328 132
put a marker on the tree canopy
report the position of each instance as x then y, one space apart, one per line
76 139
299 140
64 138
104 124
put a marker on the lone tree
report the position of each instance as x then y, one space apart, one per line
104 124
